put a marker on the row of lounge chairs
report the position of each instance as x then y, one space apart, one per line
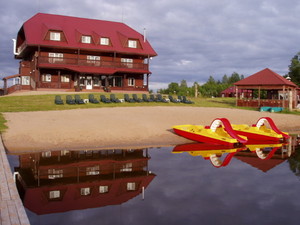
113 99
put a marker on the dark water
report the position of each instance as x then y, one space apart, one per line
159 186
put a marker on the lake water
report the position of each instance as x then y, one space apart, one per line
187 184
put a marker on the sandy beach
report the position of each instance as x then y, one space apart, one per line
119 127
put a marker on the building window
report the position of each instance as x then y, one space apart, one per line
46 154
132 43
126 168
95 170
55 57
103 189
54 194
93 59
85 191
86 39
25 80
131 186
55 36
65 78
104 41
131 81
96 81
46 77
54 174
127 62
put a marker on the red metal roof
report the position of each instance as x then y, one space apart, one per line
265 77
36 28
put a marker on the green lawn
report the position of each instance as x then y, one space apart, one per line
46 103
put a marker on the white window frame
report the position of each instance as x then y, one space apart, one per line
55 57
131 186
54 194
25 80
104 41
46 154
127 62
93 59
103 189
85 191
126 167
132 43
131 81
65 78
54 174
46 78
86 39
55 36
94 170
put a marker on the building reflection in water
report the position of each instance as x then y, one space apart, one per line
59 181
263 156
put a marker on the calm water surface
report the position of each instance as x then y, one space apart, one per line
188 184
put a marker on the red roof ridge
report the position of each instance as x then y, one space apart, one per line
265 77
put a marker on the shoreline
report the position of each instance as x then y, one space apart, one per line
124 127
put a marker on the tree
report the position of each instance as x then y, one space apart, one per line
294 69
183 84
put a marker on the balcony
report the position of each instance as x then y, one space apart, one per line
142 67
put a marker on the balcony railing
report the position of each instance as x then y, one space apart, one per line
89 62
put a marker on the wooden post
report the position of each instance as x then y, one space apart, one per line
259 96
196 90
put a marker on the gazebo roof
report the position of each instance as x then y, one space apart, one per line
265 77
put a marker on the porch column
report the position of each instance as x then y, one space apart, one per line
59 79
290 95
236 95
258 96
283 98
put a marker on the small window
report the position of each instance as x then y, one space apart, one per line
132 43
48 153
54 194
104 41
127 62
126 168
25 80
65 78
92 170
103 189
86 39
54 174
131 186
55 57
46 77
85 191
55 36
131 81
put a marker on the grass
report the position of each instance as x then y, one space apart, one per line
28 103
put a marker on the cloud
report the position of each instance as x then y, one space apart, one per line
194 39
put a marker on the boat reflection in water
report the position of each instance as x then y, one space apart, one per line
253 153
60 181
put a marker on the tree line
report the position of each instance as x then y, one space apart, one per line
214 87
211 88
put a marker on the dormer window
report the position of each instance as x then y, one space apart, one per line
55 36
132 44
104 41
86 39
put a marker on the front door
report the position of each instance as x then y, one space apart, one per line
89 83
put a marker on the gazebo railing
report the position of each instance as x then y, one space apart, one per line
255 103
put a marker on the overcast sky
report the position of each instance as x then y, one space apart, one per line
193 38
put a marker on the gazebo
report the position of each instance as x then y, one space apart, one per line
272 90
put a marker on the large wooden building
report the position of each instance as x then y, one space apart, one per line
63 52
